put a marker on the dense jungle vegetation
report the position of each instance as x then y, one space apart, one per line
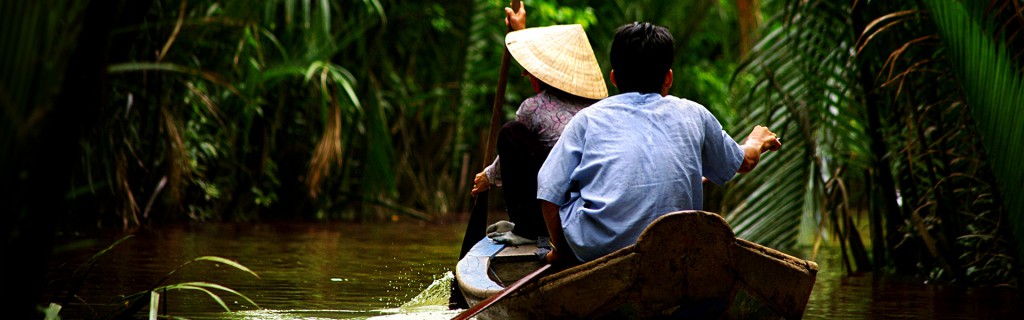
900 120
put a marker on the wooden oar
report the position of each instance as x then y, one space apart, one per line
478 218
479 307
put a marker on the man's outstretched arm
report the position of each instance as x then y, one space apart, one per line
759 141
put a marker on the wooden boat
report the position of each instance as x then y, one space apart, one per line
683 262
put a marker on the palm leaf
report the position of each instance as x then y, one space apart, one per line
994 89
805 94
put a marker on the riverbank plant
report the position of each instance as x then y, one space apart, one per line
901 116
903 112
66 290
133 303
329 110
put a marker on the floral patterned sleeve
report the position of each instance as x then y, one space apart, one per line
528 111
545 114
493 172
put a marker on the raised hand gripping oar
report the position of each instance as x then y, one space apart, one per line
501 294
478 218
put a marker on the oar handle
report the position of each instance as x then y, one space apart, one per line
516 4
499 96
478 217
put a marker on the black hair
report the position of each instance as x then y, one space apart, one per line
641 56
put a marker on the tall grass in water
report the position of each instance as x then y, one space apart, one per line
131 304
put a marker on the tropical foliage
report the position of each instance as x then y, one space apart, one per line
806 92
901 109
899 118
237 110
253 104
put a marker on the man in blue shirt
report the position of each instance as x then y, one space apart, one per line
633 157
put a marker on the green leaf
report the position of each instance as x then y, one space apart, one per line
228 262
806 92
995 92
204 286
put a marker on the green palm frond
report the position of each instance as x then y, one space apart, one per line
805 93
283 63
994 89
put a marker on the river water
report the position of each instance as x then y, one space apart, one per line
315 270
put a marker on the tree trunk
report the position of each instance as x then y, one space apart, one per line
748 14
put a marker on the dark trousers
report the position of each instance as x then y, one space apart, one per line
522 154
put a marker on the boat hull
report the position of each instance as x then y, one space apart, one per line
683 261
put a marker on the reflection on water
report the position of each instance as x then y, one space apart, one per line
398 271
864 296
307 270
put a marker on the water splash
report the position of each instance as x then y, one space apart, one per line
434 295
267 314
432 303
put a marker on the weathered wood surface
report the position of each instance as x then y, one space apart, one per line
781 281
680 258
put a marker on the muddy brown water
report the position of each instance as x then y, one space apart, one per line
311 270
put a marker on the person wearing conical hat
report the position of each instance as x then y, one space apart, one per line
566 78
633 157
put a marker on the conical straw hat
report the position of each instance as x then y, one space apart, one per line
560 56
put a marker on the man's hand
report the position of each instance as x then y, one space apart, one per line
763 139
516 20
560 255
555 257
480 183
759 141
